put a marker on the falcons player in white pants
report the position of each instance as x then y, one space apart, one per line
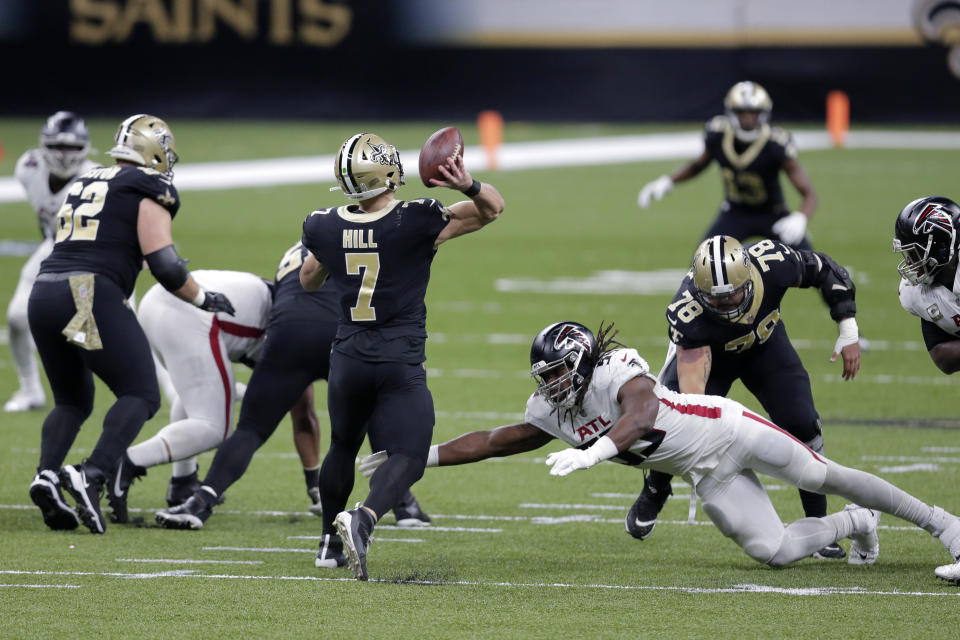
46 174
197 349
603 401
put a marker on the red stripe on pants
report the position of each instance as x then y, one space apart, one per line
753 416
224 377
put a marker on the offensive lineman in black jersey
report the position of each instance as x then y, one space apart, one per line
295 353
113 218
724 324
378 253
751 154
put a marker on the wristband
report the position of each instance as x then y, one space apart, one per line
433 456
473 189
604 448
847 329
201 296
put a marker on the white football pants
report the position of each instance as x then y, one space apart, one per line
202 375
735 500
21 342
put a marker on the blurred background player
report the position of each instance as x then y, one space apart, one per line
751 154
925 234
724 325
296 352
378 254
45 173
113 219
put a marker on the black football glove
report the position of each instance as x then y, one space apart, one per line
215 301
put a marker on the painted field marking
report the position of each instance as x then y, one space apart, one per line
732 589
42 586
186 561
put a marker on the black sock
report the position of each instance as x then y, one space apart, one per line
312 478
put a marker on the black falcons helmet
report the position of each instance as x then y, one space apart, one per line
64 143
561 360
925 234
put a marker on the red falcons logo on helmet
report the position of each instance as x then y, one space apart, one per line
569 337
931 218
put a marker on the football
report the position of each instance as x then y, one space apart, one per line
435 151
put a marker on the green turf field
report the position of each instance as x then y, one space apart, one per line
513 552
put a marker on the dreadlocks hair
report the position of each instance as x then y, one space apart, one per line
605 339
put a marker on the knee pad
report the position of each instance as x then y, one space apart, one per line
758 547
816 444
812 475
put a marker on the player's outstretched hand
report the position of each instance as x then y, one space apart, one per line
370 463
654 190
565 462
791 228
455 174
216 301
848 345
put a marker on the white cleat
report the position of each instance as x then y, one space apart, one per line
25 401
865 543
949 572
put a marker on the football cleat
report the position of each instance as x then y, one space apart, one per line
830 552
865 543
45 493
181 488
409 513
951 538
25 401
85 483
949 572
354 531
189 515
315 507
330 555
118 487
642 517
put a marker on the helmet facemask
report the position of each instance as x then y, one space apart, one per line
748 97
64 144
559 382
925 235
918 266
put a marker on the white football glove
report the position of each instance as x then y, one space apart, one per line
564 462
370 463
656 190
791 228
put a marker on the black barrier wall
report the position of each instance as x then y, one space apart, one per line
344 60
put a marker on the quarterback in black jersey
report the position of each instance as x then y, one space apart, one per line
295 353
113 218
724 324
378 253
751 153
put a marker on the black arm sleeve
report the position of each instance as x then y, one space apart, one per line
168 267
934 335
836 287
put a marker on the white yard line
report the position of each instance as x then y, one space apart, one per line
513 156
734 589
186 561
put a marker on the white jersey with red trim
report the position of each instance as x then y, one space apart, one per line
242 333
689 434
32 172
933 303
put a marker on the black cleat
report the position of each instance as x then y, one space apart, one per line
189 515
354 531
181 488
45 493
830 552
409 513
85 484
642 517
118 487
330 555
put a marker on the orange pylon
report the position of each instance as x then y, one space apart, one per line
838 117
490 129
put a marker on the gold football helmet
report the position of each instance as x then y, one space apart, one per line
366 166
724 277
147 141
748 96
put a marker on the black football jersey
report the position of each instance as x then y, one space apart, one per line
690 325
379 263
291 302
750 170
97 224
